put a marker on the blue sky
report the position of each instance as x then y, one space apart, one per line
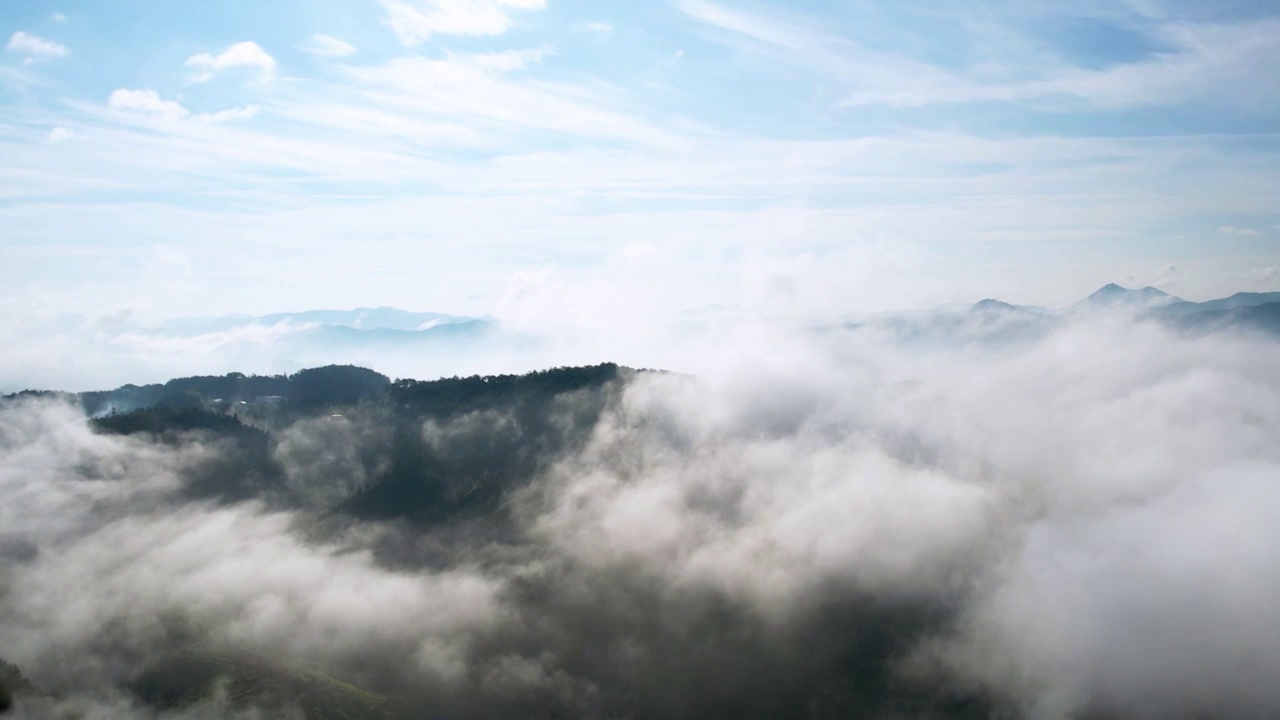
628 162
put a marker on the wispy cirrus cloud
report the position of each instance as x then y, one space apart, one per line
150 103
1223 60
416 22
1238 231
327 46
244 112
502 62
59 134
482 87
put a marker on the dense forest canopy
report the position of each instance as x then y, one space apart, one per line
518 425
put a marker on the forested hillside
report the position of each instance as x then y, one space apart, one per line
426 451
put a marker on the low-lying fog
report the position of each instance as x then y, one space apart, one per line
1080 525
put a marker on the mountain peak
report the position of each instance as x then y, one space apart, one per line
1111 295
991 305
1114 289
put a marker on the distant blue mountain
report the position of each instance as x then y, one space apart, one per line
1263 318
992 322
362 318
1239 300
1115 297
343 335
989 305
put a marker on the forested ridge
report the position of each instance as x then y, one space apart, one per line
515 422
507 425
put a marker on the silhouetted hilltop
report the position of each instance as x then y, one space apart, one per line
445 449
992 305
329 384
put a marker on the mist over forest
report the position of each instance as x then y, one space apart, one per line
824 525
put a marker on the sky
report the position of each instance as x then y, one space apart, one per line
564 160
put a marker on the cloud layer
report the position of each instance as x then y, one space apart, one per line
1081 525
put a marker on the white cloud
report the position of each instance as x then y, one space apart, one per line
59 134
149 102
1238 231
1164 278
32 46
326 46
229 115
242 54
603 28
414 23
506 61
58 17
1266 275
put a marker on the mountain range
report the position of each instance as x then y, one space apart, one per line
408 343
992 321
361 318
394 326
1146 299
